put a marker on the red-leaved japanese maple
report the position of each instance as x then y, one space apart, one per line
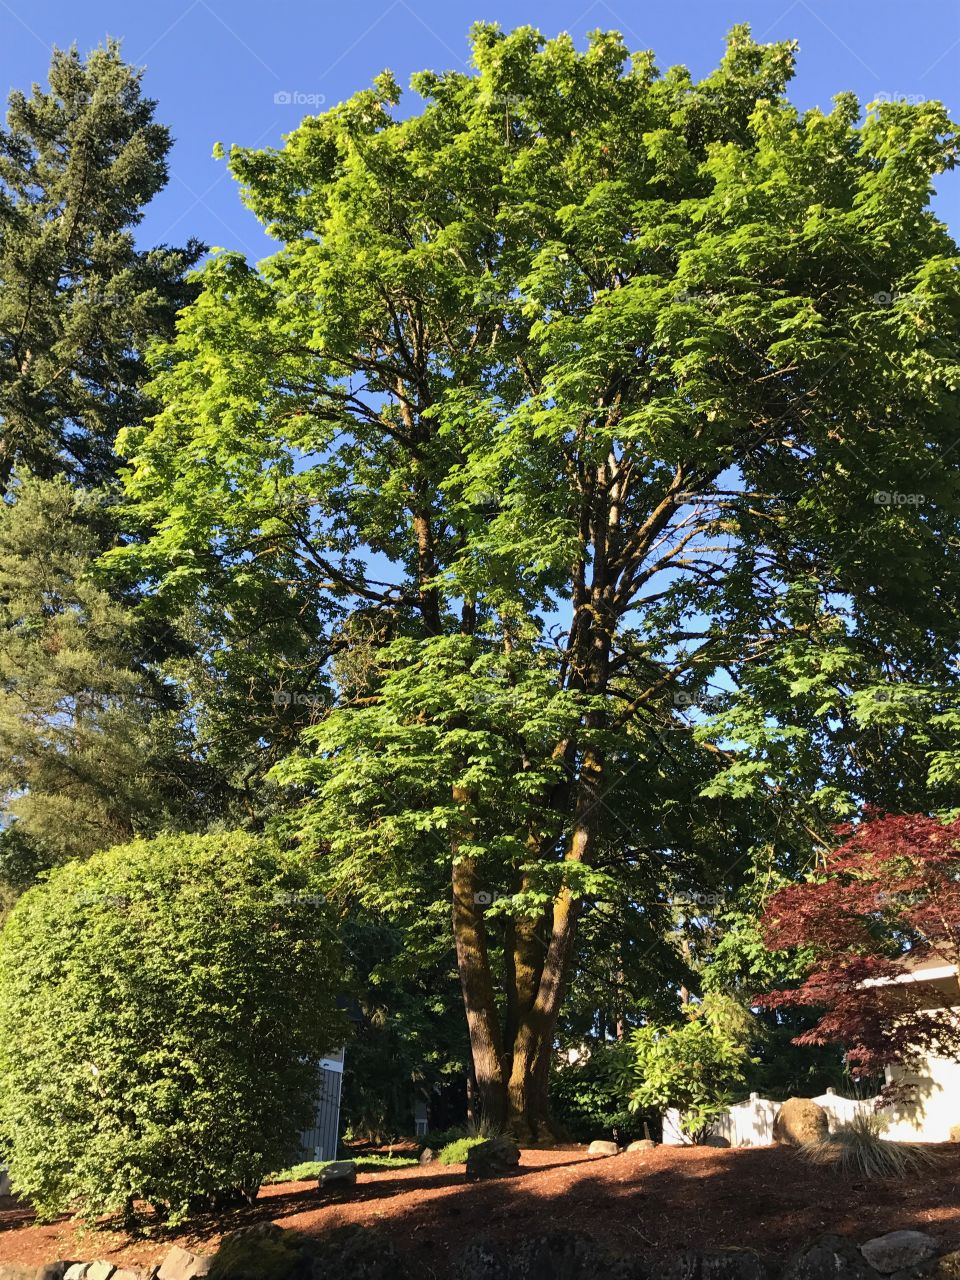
885 901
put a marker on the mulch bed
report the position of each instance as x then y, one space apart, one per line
761 1198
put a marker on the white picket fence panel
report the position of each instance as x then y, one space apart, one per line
750 1123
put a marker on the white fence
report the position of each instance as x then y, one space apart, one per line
750 1123
928 1114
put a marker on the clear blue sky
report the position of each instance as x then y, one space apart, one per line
216 65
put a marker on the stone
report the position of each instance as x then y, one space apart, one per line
716 1140
493 1158
946 1267
357 1253
76 1271
800 1121
341 1173
642 1144
262 1252
427 1155
16 1271
100 1270
181 1264
828 1258
898 1250
560 1255
54 1271
601 1148
955 1133
710 1264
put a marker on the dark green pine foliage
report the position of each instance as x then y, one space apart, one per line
79 302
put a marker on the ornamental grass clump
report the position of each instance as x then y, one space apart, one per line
858 1149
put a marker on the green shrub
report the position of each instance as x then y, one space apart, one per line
163 1007
590 1097
311 1169
696 1065
859 1150
456 1152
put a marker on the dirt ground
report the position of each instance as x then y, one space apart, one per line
761 1198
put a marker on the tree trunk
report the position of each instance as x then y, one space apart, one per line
476 982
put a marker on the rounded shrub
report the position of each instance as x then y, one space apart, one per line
163 1007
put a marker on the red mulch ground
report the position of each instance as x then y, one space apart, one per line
761 1198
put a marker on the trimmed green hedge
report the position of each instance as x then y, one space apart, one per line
163 1008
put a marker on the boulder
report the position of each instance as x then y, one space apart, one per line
262 1252
601 1148
56 1271
181 1264
427 1155
341 1173
828 1258
710 1264
16 1271
642 1144
76 1271
100 1270
955 1133
715 1140
800 1121
493 1158
898 1250
359 1253
560 1255
946 1267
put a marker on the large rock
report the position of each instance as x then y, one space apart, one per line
357 1253
181 1264
800 1121
340 1173
262 1252
427 1155
601 1148
100 1270
828 1258
710 1264
493 1158
642 1144
955 1133
898 1250
946 1267
559 1256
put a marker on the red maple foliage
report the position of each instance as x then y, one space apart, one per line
884 903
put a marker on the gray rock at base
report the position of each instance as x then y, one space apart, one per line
51 1270
100 1270
16 1271
828 1258
181 1264
946 1267
716 1140
427 1156
899 1250
264 1251
601 1148
642 1144
76 1271
710 1264
493 1158
357 1253
558 1256
341 1173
